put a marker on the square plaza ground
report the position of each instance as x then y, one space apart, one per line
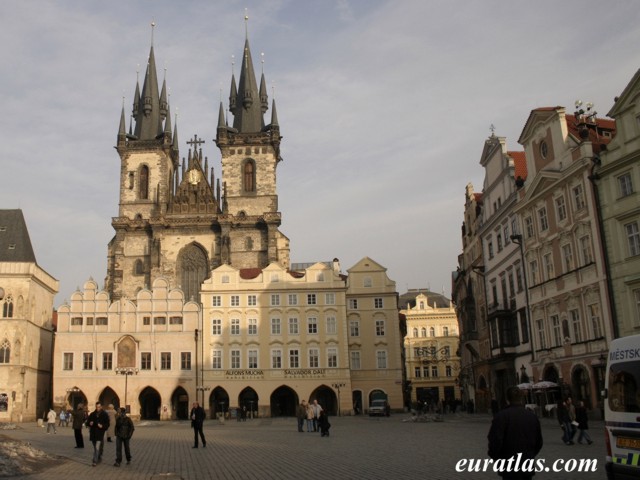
358 448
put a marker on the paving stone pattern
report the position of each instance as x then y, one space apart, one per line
358 448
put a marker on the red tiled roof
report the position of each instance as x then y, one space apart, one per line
249 273
595 134
520 164
477 197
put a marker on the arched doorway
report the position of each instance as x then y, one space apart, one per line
180 403
326 398
75 397
356 401
218 401
580 385
109 397
249 398
150 402
283 402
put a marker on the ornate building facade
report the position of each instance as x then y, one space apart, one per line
432 347
26 324
201 300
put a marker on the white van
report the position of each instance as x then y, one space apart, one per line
622 409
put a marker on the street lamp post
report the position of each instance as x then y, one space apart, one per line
202 388
126 371
517 239
337 386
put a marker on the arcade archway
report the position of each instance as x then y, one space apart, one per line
109 397
150 402
75 397
283 402
180 403
326 398
249 398
218 401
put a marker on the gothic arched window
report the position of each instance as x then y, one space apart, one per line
143 187
5 351
7 308
139 268
249 176
194 270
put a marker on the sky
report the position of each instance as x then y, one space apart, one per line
384 106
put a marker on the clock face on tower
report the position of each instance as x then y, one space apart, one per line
193 176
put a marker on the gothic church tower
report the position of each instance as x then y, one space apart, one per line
173 220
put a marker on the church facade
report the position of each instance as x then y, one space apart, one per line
201 301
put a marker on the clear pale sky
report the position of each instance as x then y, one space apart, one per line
384 107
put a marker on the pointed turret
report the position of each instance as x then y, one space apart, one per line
149 116
233 94
174 142
274 115
248 111
264 98
164 105
122 129
136 99
221 121
167 124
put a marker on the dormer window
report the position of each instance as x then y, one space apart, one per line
544 149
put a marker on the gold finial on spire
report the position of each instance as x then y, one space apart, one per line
493 130
273 90
262 61
153 26
233 63
246 23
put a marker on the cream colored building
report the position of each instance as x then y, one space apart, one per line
275 337
26 324
432 352
139 352
201 300
618 184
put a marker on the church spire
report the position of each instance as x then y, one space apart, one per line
246 105
147 110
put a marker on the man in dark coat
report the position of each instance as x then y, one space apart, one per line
98 422
515 438
197 420
78 421
123 432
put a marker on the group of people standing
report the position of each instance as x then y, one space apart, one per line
315 417
104 423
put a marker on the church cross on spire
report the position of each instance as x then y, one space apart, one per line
195 141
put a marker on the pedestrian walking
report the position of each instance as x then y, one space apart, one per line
61 418
51 421
78 421
111 411
583 423
323 424
197 420
301 414
98 422
564 418
123 432
515 432
316 408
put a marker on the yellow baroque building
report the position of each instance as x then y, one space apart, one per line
432 352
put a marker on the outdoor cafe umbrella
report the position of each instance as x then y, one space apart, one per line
526 387
544 385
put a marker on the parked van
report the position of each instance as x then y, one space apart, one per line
622 409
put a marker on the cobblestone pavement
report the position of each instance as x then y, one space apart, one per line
358 448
